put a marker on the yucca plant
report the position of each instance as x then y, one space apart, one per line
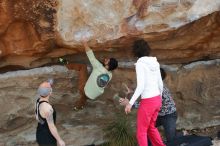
119 132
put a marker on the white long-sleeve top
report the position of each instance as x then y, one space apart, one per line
149 81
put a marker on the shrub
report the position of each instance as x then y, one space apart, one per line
119 132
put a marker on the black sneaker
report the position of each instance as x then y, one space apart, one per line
62 61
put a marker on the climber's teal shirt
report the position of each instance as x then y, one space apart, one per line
98 79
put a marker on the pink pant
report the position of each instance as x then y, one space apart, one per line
146 119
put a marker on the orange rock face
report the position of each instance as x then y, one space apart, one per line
26 29
35 33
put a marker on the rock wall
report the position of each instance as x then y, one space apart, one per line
35 33
183 34
17 99
195 89
109 20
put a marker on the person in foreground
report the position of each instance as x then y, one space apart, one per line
97 81
167 116
47 134
150 87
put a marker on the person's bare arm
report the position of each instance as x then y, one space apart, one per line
52 127
123 101
86 46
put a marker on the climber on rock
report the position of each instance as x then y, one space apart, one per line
93 86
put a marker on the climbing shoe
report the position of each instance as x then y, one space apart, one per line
62 61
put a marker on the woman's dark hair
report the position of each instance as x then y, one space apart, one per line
141 48
113 64
163 73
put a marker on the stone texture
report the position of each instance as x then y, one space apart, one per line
35 33
195 89
26 30
108 20
17 99
196 92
